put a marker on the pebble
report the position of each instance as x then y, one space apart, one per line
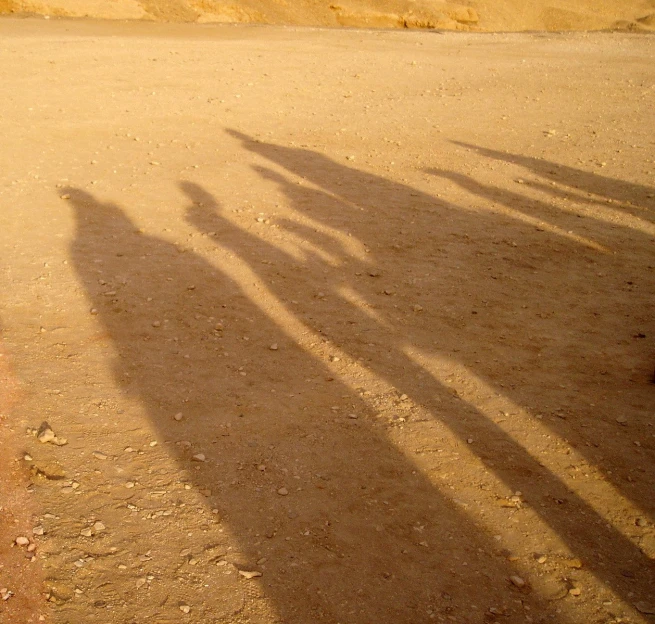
38 530
273 347
130 484
199 457
22 541
575 591
517 581
249 574
469 441
541 559
99 526
99 455
178 416
86 532
93 311
283 491
645 608
185 608
27 457
156 323
622 420
153 443
45 433
353 416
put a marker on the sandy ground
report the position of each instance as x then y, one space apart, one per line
337 326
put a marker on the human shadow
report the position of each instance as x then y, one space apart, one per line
640 197
345 527
384 215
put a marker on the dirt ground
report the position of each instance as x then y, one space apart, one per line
331 326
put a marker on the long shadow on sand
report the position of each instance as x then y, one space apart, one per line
380 542
529 327
360 535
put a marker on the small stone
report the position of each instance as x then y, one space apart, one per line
22 541
199 457
27 457
66 196
178 416
45 433
156 323
273 347
153 443
283 491
140 582
99 526
354 416
99 455
130 484
469 441
541 559
622 420
574 563
261 467
249 574
645 608
38 530
517 581
93 311
86 532
575 591
31 548
185 608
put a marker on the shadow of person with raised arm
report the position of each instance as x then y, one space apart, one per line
415 232
343 525
640 198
